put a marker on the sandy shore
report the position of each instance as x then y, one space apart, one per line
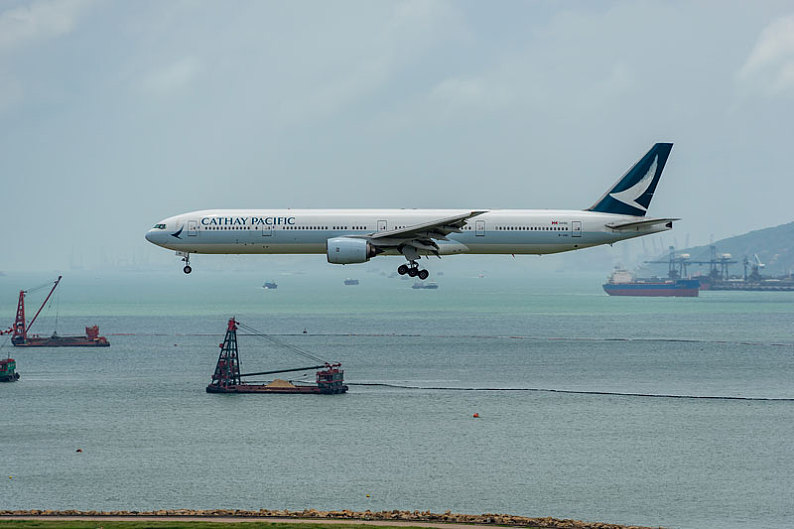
447 520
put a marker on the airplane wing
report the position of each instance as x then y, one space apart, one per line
421 236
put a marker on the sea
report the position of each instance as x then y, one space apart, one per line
649 411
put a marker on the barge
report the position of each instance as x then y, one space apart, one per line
227 378
21 336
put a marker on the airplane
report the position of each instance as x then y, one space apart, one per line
349 236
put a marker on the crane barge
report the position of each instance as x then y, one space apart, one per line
228 379
21 330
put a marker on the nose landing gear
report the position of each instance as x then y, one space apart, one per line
186 259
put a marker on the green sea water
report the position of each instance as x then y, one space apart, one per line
577 396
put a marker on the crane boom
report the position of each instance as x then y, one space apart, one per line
282 370
45 302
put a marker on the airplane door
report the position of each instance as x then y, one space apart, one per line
265 230
382 224
479 228
192 228
576 228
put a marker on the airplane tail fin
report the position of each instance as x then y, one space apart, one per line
632 193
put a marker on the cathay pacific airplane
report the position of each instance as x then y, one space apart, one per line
350 236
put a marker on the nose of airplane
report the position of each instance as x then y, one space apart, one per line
155 234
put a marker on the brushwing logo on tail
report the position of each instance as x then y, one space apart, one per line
631 195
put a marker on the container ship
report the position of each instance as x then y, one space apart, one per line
21 336
623 283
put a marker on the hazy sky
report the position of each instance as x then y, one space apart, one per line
116 114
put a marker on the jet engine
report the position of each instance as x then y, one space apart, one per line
347 250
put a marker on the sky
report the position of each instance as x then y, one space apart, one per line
114 115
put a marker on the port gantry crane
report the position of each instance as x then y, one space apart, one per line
676 264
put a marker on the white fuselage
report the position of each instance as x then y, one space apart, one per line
306 231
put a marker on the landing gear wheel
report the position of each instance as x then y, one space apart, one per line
413 272
402 269
423 274
185 259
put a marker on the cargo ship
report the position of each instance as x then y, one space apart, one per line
350 282
623 283
228 379
426 286
23 338
8 370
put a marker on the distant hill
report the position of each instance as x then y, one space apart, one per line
774 247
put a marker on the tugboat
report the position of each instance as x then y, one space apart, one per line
349 281
270 285
7 370
22 338
427 286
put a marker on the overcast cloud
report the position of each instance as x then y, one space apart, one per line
115 114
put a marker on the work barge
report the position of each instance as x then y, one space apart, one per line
228 379
22 337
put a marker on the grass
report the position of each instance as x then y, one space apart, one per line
143 524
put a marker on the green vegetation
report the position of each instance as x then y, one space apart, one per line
144 524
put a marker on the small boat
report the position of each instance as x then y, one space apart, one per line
270 285
349 281
427 286
7 370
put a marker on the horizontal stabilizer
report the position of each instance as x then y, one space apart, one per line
641 224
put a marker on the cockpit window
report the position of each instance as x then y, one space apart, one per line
159 226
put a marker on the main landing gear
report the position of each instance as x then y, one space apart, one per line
186 258
412 270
